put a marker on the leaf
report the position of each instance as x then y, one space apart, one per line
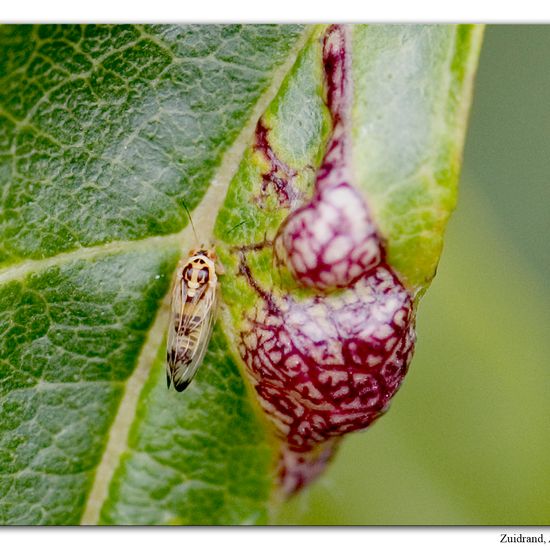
70 336
410 121
199 460
107 134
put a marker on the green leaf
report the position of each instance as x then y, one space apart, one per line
70 335
198 460
413 90
107 135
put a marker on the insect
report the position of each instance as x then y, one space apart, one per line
193 308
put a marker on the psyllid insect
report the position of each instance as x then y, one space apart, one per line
193 308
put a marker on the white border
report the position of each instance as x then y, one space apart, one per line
358 538
261 11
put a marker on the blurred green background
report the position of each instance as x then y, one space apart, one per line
467 439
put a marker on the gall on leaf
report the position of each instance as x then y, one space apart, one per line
328 365
327 353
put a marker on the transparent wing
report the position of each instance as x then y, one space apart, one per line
184 375
189 333
179 292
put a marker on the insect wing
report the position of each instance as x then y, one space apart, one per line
189 332
172 341
202 340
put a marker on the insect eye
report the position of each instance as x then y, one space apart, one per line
203 276
187 273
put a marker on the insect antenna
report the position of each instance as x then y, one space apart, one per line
192 224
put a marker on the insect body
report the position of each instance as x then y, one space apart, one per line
193 307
